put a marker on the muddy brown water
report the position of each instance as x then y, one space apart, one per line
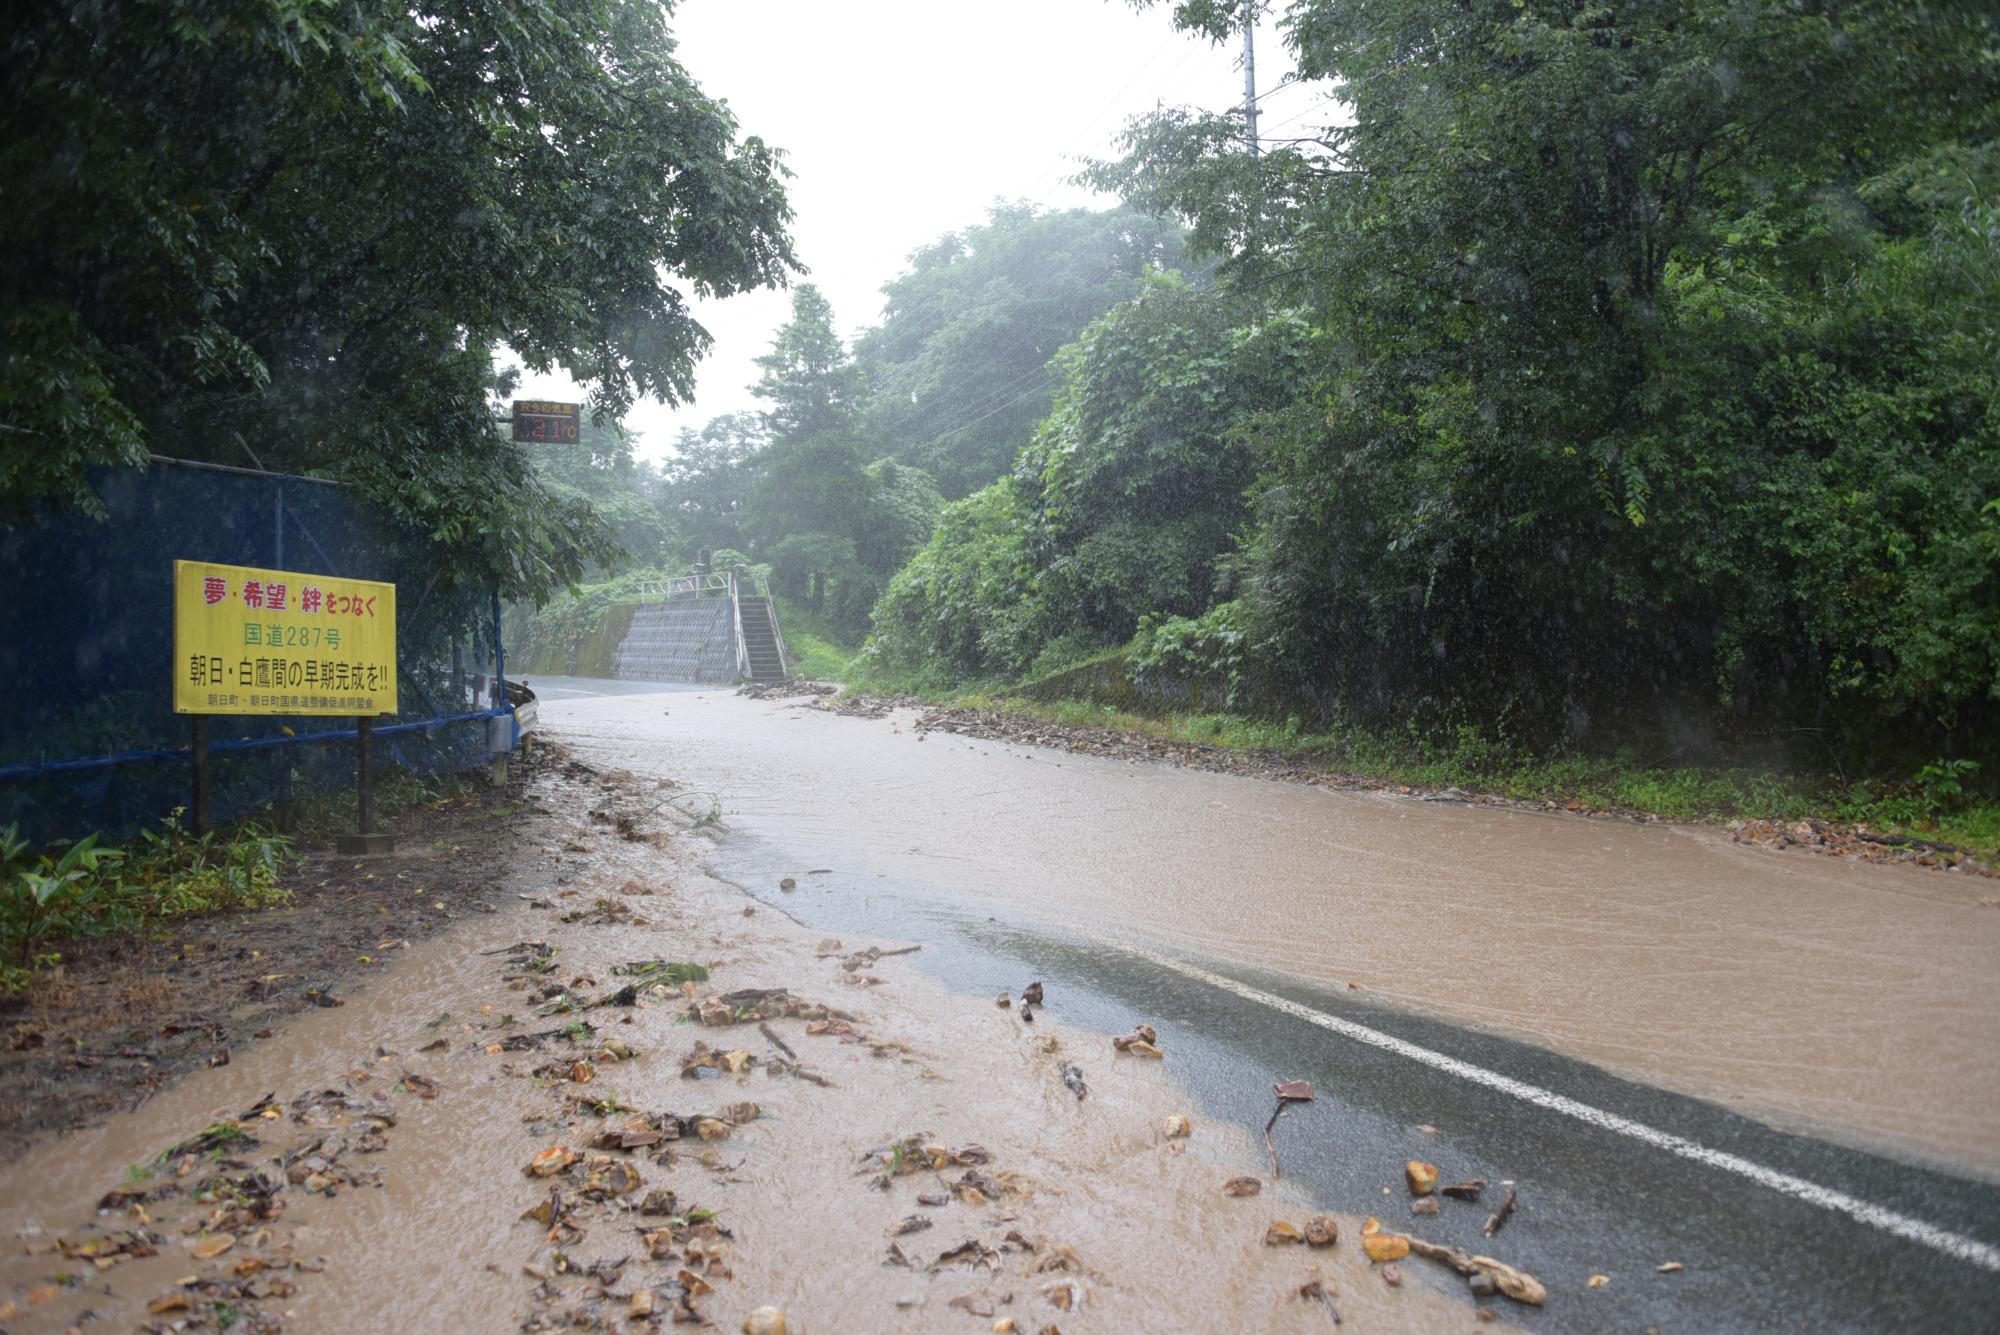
439 1246
1850 1002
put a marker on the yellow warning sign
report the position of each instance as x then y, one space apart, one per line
250 641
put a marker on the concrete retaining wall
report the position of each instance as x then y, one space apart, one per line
692 640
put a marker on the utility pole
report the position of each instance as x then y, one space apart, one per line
1250 74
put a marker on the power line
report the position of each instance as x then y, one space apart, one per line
1111 102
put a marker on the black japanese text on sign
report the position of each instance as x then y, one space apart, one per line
539 422
250 641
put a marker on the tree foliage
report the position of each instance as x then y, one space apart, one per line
1120 505
1659 361
958 370
299 230
832 524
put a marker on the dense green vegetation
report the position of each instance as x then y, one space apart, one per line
831 484
80 889
298 232
1615 376
1595 379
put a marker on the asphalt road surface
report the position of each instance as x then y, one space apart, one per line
1778 1071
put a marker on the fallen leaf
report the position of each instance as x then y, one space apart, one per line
1599 1281
1670 1268
1282 1232
550 1161
915 1223
1322 1231
1297 1091
1464 1191
1422 1177
1392 1275
1242 1186
1385 1246
1178 1127
210 1248
975 1303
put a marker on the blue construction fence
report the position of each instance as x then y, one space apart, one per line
88 736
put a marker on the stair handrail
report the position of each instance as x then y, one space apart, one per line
742 649
686 586
784 654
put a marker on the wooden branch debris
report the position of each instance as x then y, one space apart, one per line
1499 1216
1516 1284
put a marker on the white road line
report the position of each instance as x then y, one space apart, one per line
1955 1245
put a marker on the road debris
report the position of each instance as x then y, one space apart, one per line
1288 1092
1516 1284
1499 1216
1421 1177
1318 1290
1073 1077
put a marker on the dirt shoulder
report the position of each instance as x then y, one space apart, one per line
543 1118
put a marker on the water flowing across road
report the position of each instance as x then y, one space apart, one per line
1728 1080
1851 1002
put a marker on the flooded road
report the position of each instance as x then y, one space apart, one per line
1736 1090
1821 997
1728 1081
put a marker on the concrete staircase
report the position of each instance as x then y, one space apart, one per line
760 639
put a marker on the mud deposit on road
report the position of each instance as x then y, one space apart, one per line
1818 995
520 1125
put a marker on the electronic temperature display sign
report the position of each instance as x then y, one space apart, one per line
538 422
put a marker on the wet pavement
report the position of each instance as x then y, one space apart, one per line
1777 1072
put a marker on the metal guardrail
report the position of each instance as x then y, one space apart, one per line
716 582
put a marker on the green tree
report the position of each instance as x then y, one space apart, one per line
305 226
1126 501
1652 386
810 498
708 479
958 368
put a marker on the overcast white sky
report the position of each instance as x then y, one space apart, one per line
904 119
